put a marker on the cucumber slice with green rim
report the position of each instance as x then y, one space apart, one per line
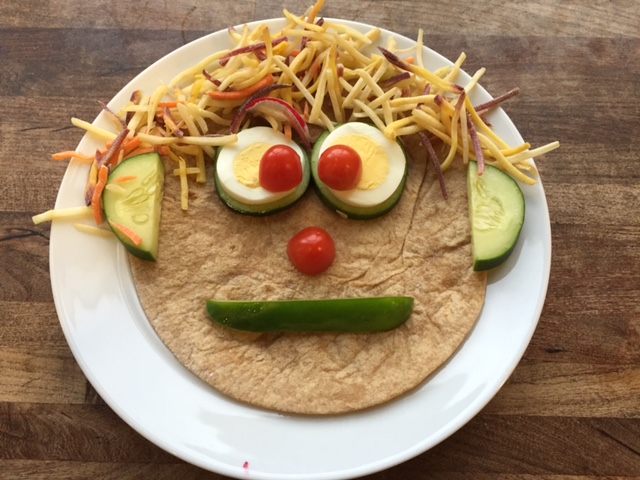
497 209
331 200
351 315
132 202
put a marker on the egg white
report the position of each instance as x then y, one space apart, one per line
227 156
397 164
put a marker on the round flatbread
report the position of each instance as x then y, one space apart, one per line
420 249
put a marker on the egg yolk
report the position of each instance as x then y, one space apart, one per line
246 165
375 160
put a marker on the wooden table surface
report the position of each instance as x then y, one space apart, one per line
571 409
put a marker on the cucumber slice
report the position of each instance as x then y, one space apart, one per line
353 315
132 201
343 208
497 208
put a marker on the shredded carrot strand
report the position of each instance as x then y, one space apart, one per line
245 92
314 11
314 70
305 111
161 149
96 198
72 155
287 131
163 105
116 158
140 151
130 145
126 178
129 233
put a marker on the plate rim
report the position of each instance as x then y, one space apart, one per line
238 471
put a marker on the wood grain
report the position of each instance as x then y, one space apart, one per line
571 409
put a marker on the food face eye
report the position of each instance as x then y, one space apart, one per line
382 176
262 173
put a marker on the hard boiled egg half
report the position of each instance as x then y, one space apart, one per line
383 171
237 173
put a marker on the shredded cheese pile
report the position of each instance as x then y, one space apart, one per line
335 74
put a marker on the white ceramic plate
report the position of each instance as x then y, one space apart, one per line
141 381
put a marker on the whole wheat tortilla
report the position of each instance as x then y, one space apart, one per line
420 249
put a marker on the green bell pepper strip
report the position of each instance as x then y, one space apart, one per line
345 315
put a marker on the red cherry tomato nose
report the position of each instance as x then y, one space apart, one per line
340 167
311 250
280 169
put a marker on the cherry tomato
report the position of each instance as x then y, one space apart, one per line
280 169
340 167
311 250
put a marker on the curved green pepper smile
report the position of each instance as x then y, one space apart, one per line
345 315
